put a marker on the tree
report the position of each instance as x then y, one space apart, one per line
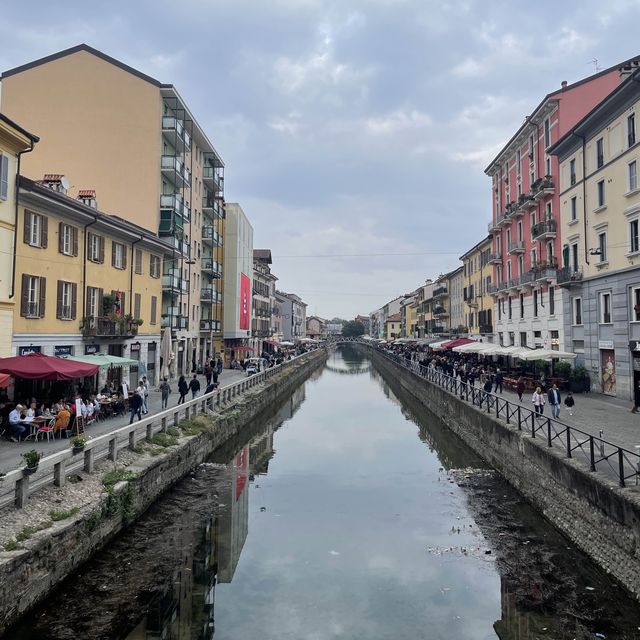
352 329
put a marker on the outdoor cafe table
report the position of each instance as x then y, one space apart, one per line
34 424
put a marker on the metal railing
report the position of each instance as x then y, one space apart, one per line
599 454
15 487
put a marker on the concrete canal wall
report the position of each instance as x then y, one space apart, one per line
601 518
29 573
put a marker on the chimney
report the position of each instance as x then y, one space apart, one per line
563 84
56 182
628 69
88 198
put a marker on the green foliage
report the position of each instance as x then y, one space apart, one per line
56 516
352 329
27 532
172 431
562 370
108 303
579 373
111 478
164 439
78 441
11 545
32 458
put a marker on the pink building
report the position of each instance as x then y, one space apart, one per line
526 215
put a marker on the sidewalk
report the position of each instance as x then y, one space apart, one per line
10 452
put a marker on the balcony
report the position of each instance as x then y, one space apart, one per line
493 289
542 187
176 243
493 226
516 247
527 279
567 277
109 327
173 129
173 168
504 219
208 324
524 202
211 267
174 284
440 292
213 180
211 237
546 274
175 322
209 294
544 230
171 223
494 258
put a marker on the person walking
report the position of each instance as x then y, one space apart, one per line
165 390
554 400
135 402
498 380
569 402
207 374
194 386
145 395
488 385
183 389
520 388
214 376
538 401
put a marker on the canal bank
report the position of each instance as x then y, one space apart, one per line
42 559
600 517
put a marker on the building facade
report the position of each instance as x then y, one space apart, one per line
438 307
263 299
600 220
365 322
478 303
135 142
14 141
526 217
86 283
393 327
316 328
457 322
408 315
238 268
293 314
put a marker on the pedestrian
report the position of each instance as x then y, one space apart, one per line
194 386
207 374
183 389
498 380
214 376
554 400
520 388
219 366
569 402
538 400
488 385
636 397
145 395
136 406
165 390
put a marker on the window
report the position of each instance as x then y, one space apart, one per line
94 302
633 176
599 152
602 246
118 255
154 310
35 229
574 256
605 307
577 311
520 265
555 339
552 301
523 338
95 248
518 162
499 309
601 193
154 266
137 303
4 176
512 338
572 171
522 305
574 208
631 129
520 231
32 303
635 304
138 262
68 239
547 133
535 304
531 148
66 300
634 247
547 165
510 308
549 211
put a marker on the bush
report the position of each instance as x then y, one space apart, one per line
164 440
32 458
562 370
56 516
114 476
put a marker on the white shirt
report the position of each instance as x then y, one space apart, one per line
14 417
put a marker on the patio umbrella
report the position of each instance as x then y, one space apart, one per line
286 343
546 354
5 379
166 353
37 366
103 360
458 342
437 346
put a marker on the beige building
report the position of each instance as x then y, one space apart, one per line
135 142
478 302
14 141
264 296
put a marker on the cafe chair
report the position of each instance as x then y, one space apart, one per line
47 429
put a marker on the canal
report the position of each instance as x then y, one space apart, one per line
351 512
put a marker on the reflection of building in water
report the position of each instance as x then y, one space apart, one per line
289 408
261 451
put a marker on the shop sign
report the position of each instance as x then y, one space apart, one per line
135 347
63 351
634 345
605 344
91 349
25 351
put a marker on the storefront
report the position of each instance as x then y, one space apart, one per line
634 348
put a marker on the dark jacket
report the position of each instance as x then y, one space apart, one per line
194 385
135 402
183 387
550 395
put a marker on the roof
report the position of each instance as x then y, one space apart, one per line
475 247
18 128
550 96
594 120
396 317
80 47
262 254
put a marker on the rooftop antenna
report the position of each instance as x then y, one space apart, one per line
595 64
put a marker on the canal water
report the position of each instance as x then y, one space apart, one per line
350 513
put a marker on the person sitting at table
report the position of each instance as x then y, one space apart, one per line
56 406
62 418
17 430
31 411
41 410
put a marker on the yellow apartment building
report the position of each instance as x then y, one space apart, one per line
135 142
409 315
14 141
600 231
478 303
392 327
85 282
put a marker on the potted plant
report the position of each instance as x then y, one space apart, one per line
138 321
32 458
579 380
108 303
78 443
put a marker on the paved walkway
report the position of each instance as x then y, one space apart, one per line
10 452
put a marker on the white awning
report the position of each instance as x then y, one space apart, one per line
546 354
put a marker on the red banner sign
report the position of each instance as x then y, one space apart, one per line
245 303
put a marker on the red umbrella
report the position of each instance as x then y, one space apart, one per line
4 379
36 366
458 342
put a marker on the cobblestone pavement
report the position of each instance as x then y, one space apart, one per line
10 452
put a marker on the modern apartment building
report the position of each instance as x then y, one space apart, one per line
293 313
134 141
14 141
478 303
238 267
263 301
600 227
86 282
526 215
438 307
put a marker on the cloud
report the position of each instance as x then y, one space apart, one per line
398 121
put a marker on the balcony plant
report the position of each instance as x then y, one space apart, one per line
78 443
108 303
88 326
32 460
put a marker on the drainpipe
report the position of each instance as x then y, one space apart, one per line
133 244
15 221
584 194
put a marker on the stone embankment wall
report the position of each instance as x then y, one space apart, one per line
28 574
601 518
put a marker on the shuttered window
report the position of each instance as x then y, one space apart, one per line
66 300
118 255
154 310
154 266
95 248
33 296
68 239
36 229
137 303
138 261
94 302
4 177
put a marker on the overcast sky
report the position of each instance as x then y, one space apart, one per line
354 132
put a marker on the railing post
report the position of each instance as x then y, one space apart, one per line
59 473
549 443
176 418
22 492
621 466
163 424
89 459
132 439
113 449
519 419
149 432
506 406
568 442
592 453
533 424
218 398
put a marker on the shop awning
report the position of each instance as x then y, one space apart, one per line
5 379
104 360
458 342
546 354
273 343
37 366
473 347
437 346
242 348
